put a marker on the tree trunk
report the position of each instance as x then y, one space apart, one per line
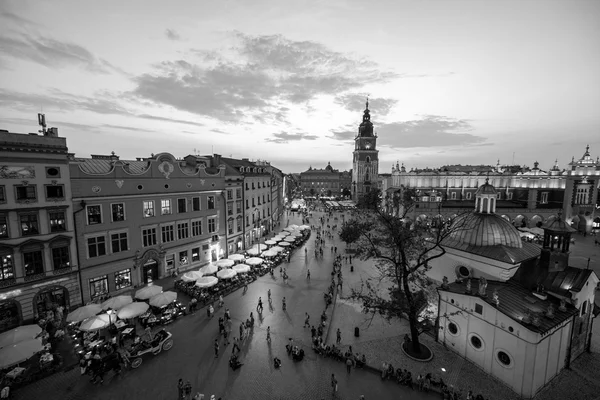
412 314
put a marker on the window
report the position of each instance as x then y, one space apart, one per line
148 208
196 254
148 237
60 257
118 242
25 193
503 358
453 196
6 266
211 202
239 223
476 342
52 172
247 220
469 196
238 193
57 221
212 225
168 233
544 198
117 212
230 226
29 224
247 186
253 186
2 194
196 204
229 194
478 308
165 207
55 192
229 209
183 230
181 205
123 279
498 196
247 206
196 228
183 257
34 262
464 271
94 214
509 196
253 203
3 226
96 246
453 328
98 286
238 207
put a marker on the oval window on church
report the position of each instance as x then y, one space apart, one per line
464 271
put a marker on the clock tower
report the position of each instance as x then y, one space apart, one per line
365 163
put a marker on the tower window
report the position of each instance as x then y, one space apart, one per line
368 158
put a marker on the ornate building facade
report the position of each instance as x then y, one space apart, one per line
325 182
526 196
365 160
38 255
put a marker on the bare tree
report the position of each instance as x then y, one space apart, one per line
402 250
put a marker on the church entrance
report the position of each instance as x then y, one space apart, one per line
150 271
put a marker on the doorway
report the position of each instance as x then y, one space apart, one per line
150 271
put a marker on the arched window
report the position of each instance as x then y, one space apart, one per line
368 159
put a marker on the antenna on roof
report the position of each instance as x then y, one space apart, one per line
42 123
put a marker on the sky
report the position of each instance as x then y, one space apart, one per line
449 82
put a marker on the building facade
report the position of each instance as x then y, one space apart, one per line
365 161
140 220
326 182
38 255
526 196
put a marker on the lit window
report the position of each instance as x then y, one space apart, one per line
165 207
57 221
118 212
98 286
29 224
94 214
123 279
210 200
148 208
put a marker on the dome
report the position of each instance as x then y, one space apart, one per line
558 225
486 188
480 229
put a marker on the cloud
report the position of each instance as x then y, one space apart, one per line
171 34
16 19
356 102
178 121
284 137
255 76
431 131
128 128
219 131
344 135
52 53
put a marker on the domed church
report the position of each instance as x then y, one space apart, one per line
515 309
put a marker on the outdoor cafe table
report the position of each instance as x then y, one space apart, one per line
15 372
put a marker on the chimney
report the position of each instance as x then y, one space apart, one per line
52 132
217 159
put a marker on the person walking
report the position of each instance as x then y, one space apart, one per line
269 295
180 390
259 307
221 301
339 336
283 304
307 321
226 336
269 334
348 364
216 348
334 384
308 275
187 390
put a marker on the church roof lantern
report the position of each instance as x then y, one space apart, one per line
486 189
558 226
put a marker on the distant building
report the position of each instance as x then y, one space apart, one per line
325 182
38 254
520 314
365 159
526 196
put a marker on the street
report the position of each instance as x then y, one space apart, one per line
192 356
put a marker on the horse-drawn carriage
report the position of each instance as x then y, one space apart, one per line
162 340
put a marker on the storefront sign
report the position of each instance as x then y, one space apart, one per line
50 282
8 295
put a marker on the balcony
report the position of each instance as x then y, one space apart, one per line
8 282
35 277
62 271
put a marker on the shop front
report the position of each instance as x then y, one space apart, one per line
50 299
10 315
150 271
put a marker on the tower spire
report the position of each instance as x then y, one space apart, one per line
367 106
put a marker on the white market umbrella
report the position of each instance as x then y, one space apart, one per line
278 249
84 312
269 253
536 231
209 269
117 302
162 299
206 281
290 239
253 252
254 261
296 234
225 263
260 247
191 276
19 334
284 233
19 352
147 292
97 322
270 242
284 244
237 257
241 268
226 274
304 227
133 310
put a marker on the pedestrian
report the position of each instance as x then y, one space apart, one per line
180 390
269 295
216 348
334 384
308 275
259 307
235 347
283 304
227 315
242 331
221 301
211 311
187 389
269 334
226 337
348 364
307 321
313 331
339 336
